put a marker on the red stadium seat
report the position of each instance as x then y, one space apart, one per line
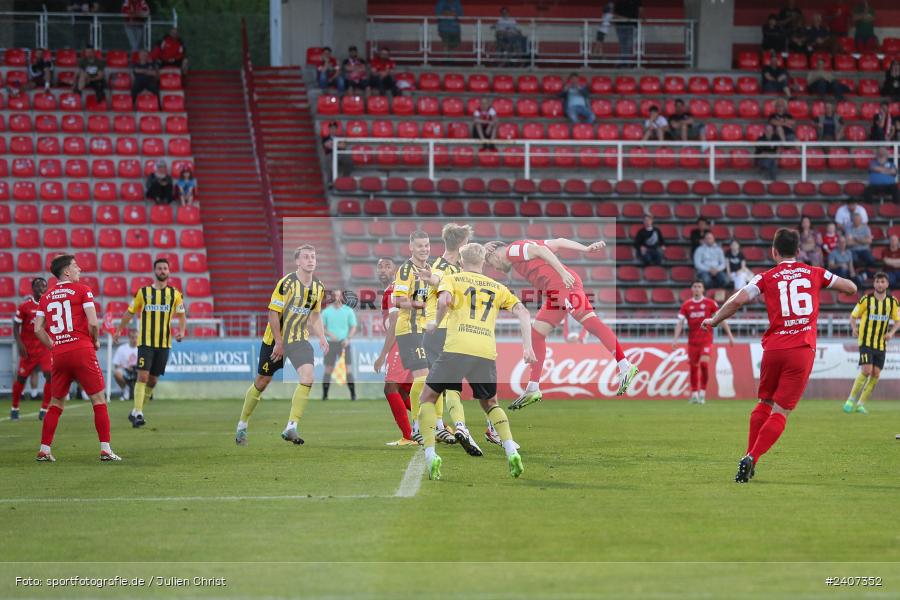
748 85
527 84
626 84
552 84
503 84
748 61
198 287
698 85
54 214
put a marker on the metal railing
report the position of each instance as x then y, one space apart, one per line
617 155
101 31
542 42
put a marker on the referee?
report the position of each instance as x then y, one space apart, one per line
340 325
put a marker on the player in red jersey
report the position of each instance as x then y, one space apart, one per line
32 353
563 293
397 380
694 310
68 309
791 292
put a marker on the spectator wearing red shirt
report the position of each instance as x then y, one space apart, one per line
136 13
382 78
170 52
327 73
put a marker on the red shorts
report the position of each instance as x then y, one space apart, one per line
783 375
80 366
35 359
396 373
698 351
559 301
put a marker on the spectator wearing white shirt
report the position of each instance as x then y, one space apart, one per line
709 261
843 218
484 126
125 363
656 126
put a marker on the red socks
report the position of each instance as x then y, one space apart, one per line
606 336
48 428
768 435
694 370
399 408
759 415
17 390
539 344
404 392
704 375
101 422
45 402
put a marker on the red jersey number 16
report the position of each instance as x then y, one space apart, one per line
793 301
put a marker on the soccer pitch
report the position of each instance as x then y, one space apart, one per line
619 499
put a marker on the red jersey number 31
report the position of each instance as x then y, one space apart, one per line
61 317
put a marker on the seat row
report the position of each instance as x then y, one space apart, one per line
72 102
110 262
74 145
84 214
100 168
68 57
114 286
796 61
162 238
121 81
97 124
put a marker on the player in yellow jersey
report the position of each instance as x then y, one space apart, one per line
294 318
409 295
157 304
471 302
870 323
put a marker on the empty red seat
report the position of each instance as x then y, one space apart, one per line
27 262
197 287
115 287
552 108
748 61
723 85
552 84
453 82
626 84
195 262
479 82
139 238
748 85
55 237
173 103
193 238
24 191
139 262
26 214
51 190
83 237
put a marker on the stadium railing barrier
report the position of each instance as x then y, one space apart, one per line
68 30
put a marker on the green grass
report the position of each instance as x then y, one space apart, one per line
620 499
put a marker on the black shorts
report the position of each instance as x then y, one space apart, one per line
299 353
601 36
412 354
434 345
451 368
870 356
334 353
153 360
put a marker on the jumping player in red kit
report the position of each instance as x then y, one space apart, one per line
791 292
694 310
32 353
397 380
563 293
71 320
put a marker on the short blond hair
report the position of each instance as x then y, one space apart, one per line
455 235
302 248
472 254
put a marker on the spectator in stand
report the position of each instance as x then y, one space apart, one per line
798 42
171 52
883 128
840 260
630 11
649 243
575 99
859 240
818 36
829 238
82 18
767 156
160 187
509 38
328 75
736 266
40 73
783 122
656 126
484 124
864 28
136 13
344 160
186 187
790 17
697 234
810 244
449 12
775 77
91 74
682 125
709 261
882 177
839 20
843 218
145 76
355 72
891 259
382 73
830 125
773 37
822 82
609 11
891 86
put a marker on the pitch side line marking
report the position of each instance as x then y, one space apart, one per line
186 498
34 414
412 478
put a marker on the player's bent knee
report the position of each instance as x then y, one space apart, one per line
584 316
704 358
542 327
261 382
488 404
143 376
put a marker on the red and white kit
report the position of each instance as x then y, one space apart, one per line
74 357
396 373
693 312
791 292
38 354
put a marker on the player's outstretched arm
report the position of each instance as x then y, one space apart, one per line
731 306
679 326
547 254
727 329
41 333
844 286
525 329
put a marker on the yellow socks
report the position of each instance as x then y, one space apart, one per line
867 391
439 407
427 422
415 392
140 389
857 387
251 399
298 402
455 408
501 425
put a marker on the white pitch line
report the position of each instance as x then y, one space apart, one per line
186 498
34 414
412 479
